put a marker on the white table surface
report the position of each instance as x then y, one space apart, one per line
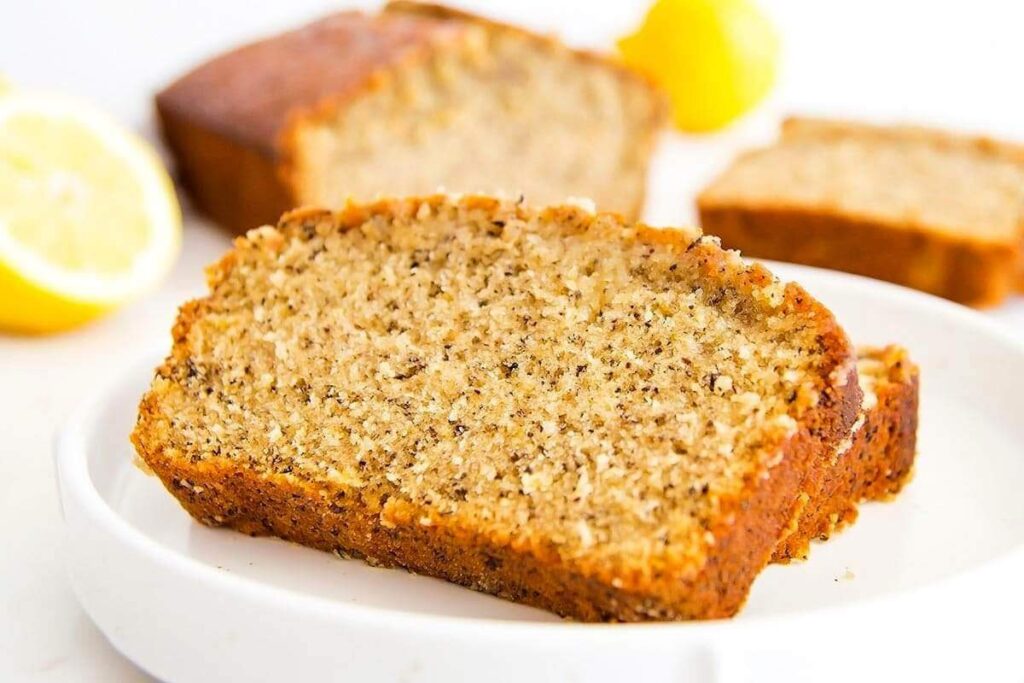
953 63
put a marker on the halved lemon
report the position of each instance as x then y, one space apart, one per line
88 215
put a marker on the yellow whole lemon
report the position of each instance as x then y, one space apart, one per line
716 59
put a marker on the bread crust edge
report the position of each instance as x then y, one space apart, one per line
971 272
242 184
877 466
219 492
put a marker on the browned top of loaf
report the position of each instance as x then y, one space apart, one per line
250 93
253 93
965 187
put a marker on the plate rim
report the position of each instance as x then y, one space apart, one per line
73 480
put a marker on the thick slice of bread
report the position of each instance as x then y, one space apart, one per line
939 212
407 101
602 419
874 461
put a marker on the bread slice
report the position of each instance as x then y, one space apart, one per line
874 461
939 212
407 101
598 418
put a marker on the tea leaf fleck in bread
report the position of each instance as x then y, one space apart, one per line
595 417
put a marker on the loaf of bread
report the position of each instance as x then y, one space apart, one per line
557 407
410 100
939 212
874 461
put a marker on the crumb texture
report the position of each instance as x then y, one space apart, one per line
496 111
550 379
901 176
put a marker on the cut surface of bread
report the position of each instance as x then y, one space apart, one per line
407 101
939 212
874 461
598 418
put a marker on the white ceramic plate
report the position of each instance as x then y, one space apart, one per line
913 582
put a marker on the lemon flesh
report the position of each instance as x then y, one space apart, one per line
88 216
716 59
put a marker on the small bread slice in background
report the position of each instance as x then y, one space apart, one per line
936 211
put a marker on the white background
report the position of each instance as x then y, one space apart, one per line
952 63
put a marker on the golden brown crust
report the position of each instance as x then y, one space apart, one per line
227 121
223 493
249 95
876 466
892 444
324 515
231 121
970 272
235 185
